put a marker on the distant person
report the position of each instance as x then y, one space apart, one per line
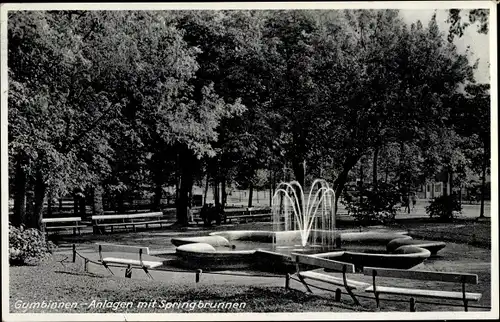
413 200
206 214
406 203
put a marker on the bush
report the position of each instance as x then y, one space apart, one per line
444 207
28 246
374 205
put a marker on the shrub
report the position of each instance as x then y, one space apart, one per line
444 207
28 246
374 205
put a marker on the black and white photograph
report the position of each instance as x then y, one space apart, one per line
249 161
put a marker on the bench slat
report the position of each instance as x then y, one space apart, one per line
323 262
130 216
123 248
333 280
56 220
422 275
133 262
425 293
130 223
62 227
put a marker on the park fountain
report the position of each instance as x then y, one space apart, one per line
302 223
310 219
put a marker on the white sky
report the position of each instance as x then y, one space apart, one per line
479 43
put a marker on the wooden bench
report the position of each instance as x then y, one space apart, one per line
250 213
128 263
100 222
461 278
245 218
318 262
73 223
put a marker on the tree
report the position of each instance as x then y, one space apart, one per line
397 81
471 117
54 117
81 81
457 26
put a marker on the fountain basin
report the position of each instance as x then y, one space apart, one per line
404 257
269 257
211 240
246 235
371 237
206 257
432 246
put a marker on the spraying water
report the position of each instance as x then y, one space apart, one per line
313 219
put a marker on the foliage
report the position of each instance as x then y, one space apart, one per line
457 26
444 207
139 99
373 205
28 246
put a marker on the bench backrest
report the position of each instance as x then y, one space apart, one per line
422 275
122 248
130 216
323 263
56 220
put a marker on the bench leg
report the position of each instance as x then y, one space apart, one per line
197 276
147 272
413 305
338 294
466 305
304 283
287 281
377 299
128 272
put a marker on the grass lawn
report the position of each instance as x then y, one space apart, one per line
466 231
52 281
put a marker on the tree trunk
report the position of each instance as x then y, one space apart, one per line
158 182
206 189
361 179
121 202
82 207
341 180
182 204
375 168
250 195
49 204
30 207
97 206
223 193
483 183
177 177
270 188
20 186
298 171
216 192
75 204
40 191
158 189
